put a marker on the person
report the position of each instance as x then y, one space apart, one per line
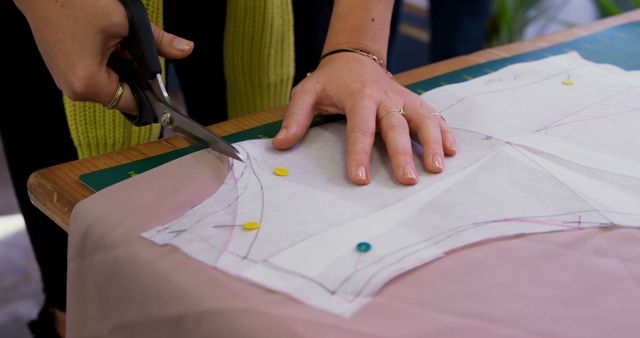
75 38
330 89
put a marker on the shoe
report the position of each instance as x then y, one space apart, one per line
44 326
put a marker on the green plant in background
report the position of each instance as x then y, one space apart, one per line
509 20
614 7
511 17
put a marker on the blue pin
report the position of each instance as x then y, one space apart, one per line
363 247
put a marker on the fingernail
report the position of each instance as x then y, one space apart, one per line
181 44
282 133
437 161
452 146
409 172
361 173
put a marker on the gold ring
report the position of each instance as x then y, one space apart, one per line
439 115
117 97
394 110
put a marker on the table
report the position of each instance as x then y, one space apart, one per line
57 189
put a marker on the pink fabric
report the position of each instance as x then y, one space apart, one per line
568 284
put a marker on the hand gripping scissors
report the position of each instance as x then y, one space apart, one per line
141 70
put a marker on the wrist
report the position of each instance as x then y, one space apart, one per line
364 53
380 51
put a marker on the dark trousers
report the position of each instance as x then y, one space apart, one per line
35 135
458 27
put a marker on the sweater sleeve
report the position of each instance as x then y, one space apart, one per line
258 55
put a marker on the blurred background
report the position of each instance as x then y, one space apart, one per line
507 21
413 46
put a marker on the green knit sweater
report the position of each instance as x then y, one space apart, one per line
258 64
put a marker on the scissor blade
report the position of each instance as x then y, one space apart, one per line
197 133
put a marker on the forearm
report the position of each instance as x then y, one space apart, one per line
362 24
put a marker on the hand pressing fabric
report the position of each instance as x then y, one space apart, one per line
350 81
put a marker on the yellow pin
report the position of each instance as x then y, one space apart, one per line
281 171
567 82
251 226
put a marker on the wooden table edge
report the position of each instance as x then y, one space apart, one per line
57 190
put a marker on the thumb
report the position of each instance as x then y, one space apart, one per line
171 46
297 118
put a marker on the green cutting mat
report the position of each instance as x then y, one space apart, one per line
619 45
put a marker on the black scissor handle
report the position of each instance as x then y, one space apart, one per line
143 65
140 88
140 42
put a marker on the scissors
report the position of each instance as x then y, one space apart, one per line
141 70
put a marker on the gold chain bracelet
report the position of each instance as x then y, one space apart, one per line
371 56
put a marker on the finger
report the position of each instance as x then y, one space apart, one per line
448 140
96 83
297 119
361 130
171 46
426 125
395 133
109 86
